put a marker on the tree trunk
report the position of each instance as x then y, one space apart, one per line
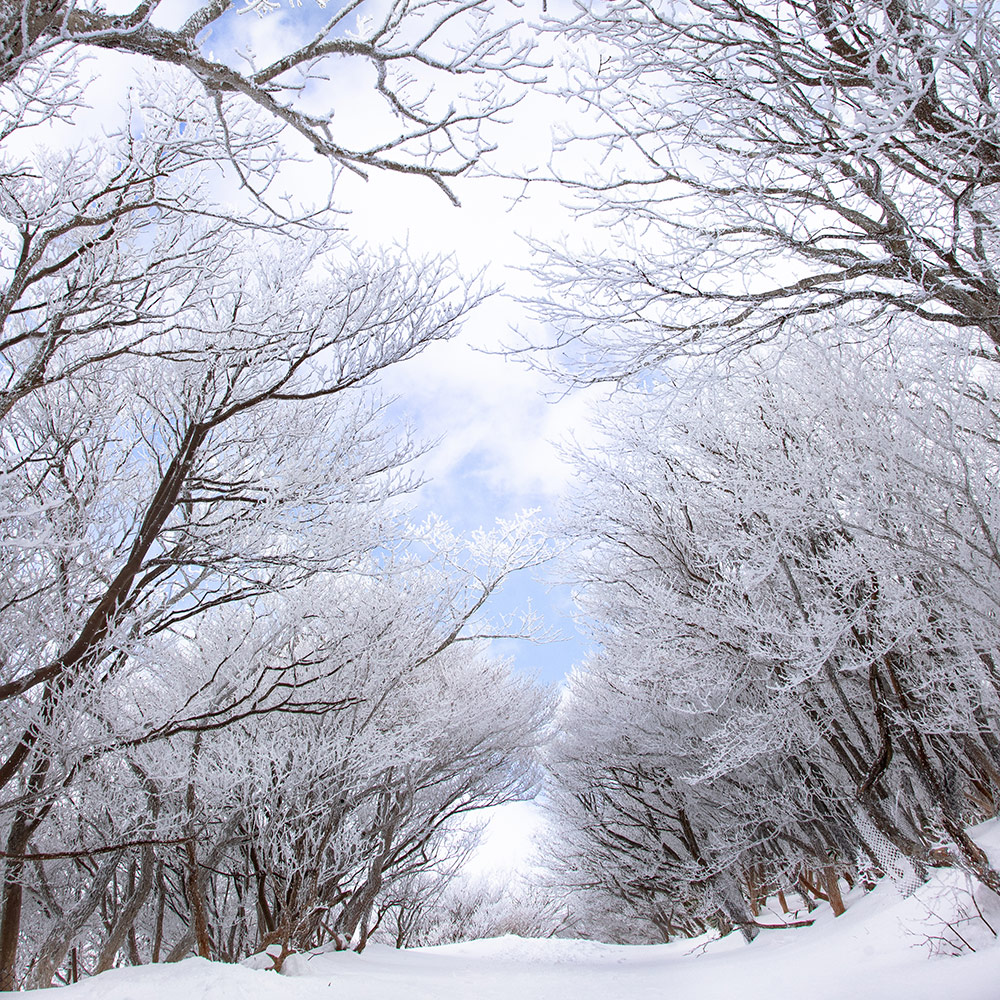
161 905
189 938
196 901
53 950
833 890
126 919
10 923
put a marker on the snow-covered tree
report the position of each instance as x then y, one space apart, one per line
432 72
792 579
433 911
749 163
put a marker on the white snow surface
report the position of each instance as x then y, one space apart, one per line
877 949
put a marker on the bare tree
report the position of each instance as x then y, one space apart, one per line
415 55
755 164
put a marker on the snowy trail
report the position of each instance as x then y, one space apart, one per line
873 951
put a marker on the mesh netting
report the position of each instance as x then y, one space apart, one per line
889 858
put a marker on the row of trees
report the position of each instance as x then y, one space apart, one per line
788 533
793 579
291 830
241 696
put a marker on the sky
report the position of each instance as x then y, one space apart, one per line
498 424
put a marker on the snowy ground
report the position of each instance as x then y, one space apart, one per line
878 949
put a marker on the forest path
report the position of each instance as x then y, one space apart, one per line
876 950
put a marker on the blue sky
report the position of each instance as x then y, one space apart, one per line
493 461
498 424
